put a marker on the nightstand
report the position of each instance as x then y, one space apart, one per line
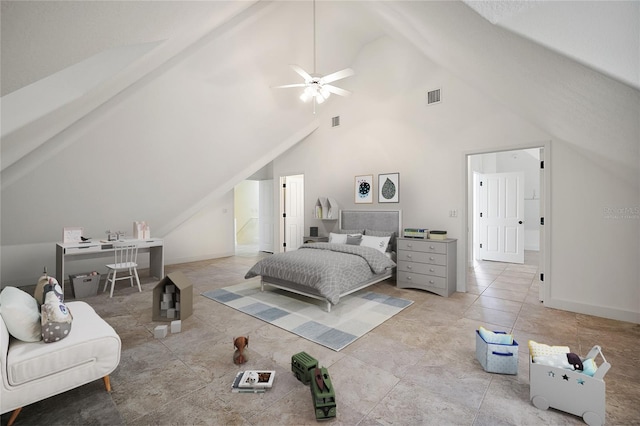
308 239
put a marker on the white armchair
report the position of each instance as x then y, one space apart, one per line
33 371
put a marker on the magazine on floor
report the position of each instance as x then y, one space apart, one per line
253 381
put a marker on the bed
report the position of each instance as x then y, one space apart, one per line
331 270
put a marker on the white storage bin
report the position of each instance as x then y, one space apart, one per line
570 391
495 357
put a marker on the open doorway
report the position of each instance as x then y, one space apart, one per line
254 213
246 216
507 195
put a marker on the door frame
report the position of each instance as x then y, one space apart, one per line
545 207
281 209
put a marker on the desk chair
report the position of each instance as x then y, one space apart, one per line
126 258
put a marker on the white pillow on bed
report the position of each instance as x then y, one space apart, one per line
338 238
378 243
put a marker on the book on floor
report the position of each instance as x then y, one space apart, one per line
253 381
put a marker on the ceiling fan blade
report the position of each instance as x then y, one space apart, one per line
290 85
347 72
336 90
307 77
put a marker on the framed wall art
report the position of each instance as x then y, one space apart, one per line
364 189
389 188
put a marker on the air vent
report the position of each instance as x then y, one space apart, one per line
434 97
335 121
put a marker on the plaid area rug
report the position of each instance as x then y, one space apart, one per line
354 316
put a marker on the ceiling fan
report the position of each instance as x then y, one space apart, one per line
317 87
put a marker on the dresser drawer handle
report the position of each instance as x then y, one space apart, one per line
431 282
409 256
408 266
432 258
431 270
408 278
410 245
432 247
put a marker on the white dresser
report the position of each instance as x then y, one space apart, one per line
427 265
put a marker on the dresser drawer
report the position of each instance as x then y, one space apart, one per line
423 246
421 257
423 268
410 279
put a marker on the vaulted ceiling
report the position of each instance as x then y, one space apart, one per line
39 38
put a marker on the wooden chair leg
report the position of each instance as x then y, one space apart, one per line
107 383
14 415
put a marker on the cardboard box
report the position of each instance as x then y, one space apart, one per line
84 285
180 288
495 357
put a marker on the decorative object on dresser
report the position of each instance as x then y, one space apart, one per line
364 189
389 188
420 233
438 235
427 265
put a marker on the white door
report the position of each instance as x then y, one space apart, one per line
502 217
265 217
293 216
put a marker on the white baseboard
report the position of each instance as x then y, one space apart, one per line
598 311
178 260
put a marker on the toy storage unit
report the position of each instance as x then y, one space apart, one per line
172 298
496 357
570 391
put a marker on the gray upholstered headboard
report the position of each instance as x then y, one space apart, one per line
378 220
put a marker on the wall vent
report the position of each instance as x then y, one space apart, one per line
434 96
335 121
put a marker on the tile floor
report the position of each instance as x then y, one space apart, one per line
417 368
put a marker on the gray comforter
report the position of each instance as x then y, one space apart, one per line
329 268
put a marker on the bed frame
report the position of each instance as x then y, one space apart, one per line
377 220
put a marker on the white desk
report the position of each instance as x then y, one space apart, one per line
70 251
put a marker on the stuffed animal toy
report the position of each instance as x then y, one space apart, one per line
55 317
44 281
240 343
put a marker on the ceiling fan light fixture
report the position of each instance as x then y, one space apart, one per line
305 97
318 88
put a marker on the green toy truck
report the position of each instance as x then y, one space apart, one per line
324 398
303 365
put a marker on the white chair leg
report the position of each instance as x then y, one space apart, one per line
106 281
130 278
135 271
113 282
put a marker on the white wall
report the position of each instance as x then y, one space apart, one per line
388 128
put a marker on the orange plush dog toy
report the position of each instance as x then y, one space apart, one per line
240 343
